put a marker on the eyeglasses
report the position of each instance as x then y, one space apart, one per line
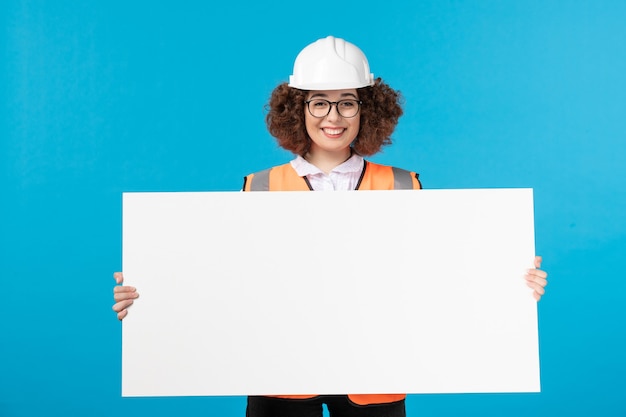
321 108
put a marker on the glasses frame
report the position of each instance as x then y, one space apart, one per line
330 107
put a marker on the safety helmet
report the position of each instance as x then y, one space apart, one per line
331 64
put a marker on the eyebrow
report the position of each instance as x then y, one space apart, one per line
326 95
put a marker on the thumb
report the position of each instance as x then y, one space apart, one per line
119 277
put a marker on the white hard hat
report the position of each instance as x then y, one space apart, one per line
331 64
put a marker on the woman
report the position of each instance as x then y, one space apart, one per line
330 115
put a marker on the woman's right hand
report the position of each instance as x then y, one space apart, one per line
124 296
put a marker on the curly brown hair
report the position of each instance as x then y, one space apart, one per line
380 111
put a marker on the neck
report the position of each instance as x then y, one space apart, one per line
327 161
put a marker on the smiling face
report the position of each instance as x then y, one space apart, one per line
332 135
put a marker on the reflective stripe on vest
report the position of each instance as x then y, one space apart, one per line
260 181
402 179
373 177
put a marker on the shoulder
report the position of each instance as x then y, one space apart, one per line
269 178
402 178
381 167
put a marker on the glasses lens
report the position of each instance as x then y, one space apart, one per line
319 108
348 108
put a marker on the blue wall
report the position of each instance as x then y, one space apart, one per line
97 98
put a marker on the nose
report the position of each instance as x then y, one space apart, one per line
333 114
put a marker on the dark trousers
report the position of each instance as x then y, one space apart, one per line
338 406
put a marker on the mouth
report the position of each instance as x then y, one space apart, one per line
333 132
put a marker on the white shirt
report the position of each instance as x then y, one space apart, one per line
343 177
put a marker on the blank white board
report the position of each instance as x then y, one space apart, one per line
329 293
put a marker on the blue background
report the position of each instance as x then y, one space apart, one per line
97 98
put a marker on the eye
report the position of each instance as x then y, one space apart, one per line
347 104
320 103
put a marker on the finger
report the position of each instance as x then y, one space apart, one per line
540 282
539 273
122 296
539 289
122 314
538 278
536 282
538 260
123 288
119 277
122 305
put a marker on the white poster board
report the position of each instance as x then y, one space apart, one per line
329 293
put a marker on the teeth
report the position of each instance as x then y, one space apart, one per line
333 131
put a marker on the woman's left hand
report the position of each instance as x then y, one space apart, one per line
536 279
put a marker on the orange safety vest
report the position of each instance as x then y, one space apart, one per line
373 177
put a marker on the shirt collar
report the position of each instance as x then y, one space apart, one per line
304 167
